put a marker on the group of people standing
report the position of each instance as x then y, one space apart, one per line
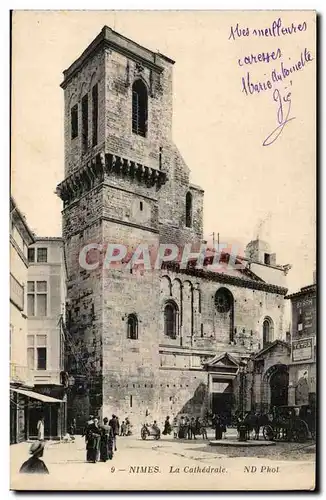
101 439
190 428
187 428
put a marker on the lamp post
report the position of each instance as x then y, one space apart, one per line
242 373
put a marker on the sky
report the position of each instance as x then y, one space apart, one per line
250 189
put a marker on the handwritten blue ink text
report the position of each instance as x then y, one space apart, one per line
249 87
276 29
282 118
263 57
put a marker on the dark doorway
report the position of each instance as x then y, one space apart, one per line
222 405
279 387
50 413
13 421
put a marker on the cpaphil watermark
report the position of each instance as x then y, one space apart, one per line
218 258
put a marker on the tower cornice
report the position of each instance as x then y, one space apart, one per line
92 173
110 39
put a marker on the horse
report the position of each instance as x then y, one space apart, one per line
253 423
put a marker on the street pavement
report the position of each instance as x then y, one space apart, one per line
166 464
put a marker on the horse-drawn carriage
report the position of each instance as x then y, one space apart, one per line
150 431
290 423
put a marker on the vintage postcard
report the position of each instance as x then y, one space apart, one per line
163 250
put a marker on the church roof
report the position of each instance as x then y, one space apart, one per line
230 270
270 347
306 290
219 358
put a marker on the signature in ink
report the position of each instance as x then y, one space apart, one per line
283 102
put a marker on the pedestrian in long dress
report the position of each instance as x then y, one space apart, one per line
93 437
40 429
167 426
106 444
182 428
218 428
89 422
86 435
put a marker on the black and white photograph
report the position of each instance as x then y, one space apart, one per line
163 269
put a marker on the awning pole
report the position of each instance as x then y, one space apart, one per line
50 422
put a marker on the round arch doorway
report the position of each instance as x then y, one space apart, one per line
279 382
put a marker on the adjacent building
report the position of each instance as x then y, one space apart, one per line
45 339
159 342
37 297
302 366
20 375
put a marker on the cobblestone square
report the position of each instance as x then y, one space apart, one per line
144 465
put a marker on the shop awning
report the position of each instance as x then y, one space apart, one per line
37 395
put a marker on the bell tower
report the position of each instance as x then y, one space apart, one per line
118 114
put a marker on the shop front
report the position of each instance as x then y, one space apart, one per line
18 417
55 417
302 384
302 369
31 406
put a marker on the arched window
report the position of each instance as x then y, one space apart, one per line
132 327
139 108
188 209
223 300
268 331
224 304
171 320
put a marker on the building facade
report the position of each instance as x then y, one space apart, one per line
45 339
156 342
20 375
28 399
302 366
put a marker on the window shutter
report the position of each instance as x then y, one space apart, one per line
135 111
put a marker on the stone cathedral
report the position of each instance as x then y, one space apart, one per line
170 341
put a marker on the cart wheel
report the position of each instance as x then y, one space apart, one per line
301 433
268 433
143 434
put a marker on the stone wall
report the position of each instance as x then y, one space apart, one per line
82 226
182 392
130 366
